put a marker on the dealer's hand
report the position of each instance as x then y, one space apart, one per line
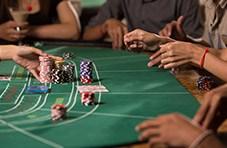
213 110
173 130
116 31
27 57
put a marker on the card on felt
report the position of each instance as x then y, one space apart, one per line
37 89
5 78
92 88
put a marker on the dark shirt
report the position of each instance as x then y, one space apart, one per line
151 15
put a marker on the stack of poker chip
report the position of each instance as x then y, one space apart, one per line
88 98
46 66
63 72
58 112
86 71
205 83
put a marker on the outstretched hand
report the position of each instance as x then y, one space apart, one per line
142 40
28 57
173 130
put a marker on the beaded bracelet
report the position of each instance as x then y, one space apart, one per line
200 138
203 58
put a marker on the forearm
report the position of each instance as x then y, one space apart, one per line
211 63
94 33
6 52
55 31
216 66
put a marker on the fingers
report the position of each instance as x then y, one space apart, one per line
147 124
35 74
148 133
210 115
56 58
166 31
154 140
179 25
155 58
176 64
201 113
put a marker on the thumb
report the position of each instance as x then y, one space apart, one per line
180 22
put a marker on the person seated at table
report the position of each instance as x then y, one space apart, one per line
215 33
173 54
47 19
143 14
175 130
27 57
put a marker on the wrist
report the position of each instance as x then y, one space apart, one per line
6 52
197 55
197 141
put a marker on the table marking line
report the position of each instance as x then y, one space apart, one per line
19 96
77 84
5 90
29 110
114 58
48 116
149 93
72 120
14 107
31 135
13 71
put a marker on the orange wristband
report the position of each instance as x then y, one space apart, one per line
201 63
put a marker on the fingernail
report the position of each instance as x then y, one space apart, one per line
150 65
151 58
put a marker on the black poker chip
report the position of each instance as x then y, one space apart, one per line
205 83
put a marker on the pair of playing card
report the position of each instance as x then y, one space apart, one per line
92 88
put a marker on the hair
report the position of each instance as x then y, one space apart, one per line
4 11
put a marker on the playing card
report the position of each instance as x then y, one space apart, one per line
92 88
5 78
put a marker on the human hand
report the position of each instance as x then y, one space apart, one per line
116 30
173 130
174 30
174 54
28 57
8 31
213 110
142 40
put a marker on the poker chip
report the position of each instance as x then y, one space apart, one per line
205 83
67 55
86 72
88 98
62 73
58 112
46 66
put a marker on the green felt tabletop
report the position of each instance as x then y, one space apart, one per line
91 3
136 93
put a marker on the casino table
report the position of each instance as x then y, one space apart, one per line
91 3
136 93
